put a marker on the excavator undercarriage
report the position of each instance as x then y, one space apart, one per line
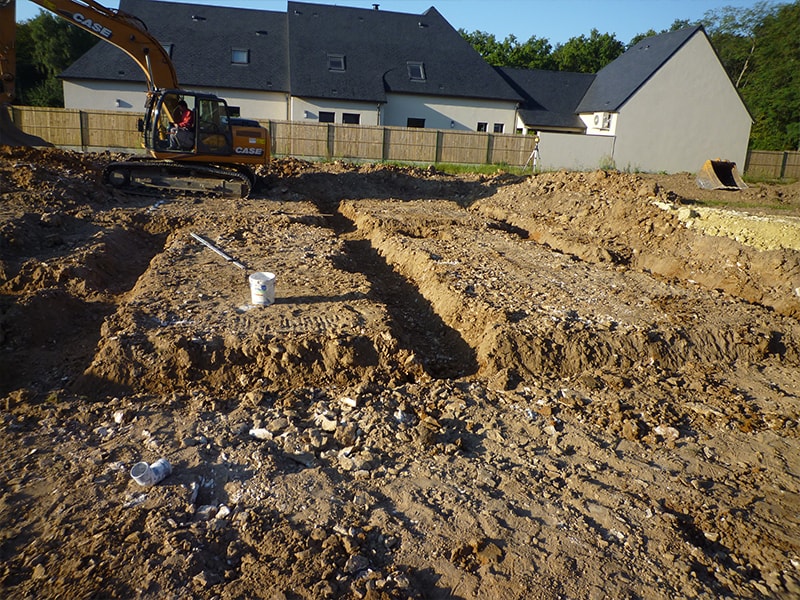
147 174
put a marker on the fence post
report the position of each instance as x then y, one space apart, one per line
783 164
385 146
83 120
489 146
331 136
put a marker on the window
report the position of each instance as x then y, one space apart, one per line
416 71
412 122
498 128
351 118
336 62
326 117
240 56
482 127
234 111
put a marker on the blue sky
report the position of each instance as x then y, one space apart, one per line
555 20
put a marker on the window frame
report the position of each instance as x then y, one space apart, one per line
326 116
244 51
413 65
334 60
483 127
351 118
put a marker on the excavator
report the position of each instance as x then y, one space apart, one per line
220 157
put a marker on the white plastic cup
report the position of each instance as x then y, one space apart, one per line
148 475
262 288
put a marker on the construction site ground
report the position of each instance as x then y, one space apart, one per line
549 386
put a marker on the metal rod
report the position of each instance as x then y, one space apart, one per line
211 246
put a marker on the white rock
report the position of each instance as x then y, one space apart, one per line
260 433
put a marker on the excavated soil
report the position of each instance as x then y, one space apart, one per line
563 385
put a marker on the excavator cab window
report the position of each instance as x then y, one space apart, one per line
162 123
213 131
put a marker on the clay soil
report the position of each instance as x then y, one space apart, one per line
561 385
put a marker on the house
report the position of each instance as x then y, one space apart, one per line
550 99
238 54
667 104
311 63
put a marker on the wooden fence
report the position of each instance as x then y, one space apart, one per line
777 165
117 131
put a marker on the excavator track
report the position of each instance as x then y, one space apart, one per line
171 175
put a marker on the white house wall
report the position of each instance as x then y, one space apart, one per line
307 110
103 95
588 120
461 114
261 106
573 151
687 113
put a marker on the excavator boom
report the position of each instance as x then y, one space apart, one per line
124 31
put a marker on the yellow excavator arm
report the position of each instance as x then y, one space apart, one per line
120 29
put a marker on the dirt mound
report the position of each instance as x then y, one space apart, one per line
576 385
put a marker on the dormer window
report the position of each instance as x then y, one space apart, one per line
240 56
416 71
336 62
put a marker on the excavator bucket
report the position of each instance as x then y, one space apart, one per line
11 135
719 175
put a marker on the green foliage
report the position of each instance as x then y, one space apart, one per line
587 55
580 54
607 163
48 92
46 45
772 89
533 54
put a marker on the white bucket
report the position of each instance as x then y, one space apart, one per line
262 288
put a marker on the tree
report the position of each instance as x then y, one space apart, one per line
772 88
733 32
46 45
533 54
676 25
587 55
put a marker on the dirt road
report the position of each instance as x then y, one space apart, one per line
567 385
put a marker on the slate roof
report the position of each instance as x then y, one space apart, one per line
620 79
377 45
550 97
203 37
291 52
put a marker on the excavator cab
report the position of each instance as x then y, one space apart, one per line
217 138
210 134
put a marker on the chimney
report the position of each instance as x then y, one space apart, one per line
376 6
